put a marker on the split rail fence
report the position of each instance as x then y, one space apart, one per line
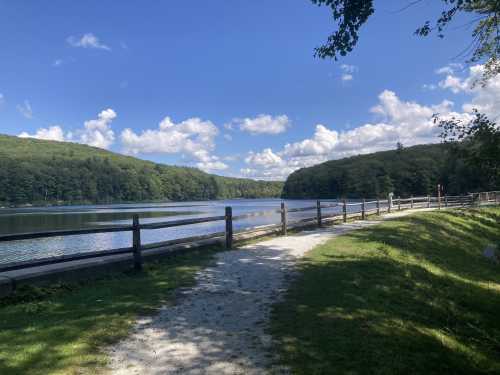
346 211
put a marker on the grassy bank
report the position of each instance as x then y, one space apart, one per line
62 330
410 296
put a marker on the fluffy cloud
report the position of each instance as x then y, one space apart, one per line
485 98
193 138
88 40
95 133
400 121
25 109
265 158
455 84
53 133
262 124
98 132
322 143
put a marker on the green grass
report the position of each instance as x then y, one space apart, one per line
409 296
63 329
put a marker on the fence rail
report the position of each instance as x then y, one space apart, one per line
228 235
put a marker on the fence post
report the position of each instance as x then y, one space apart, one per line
411 202
283 219
446 201
399 203
318 213
229 227
363 210
496 198
378 207
389 203
344 211
136 242
428 201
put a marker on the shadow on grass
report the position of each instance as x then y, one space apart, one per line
450 240
56 331
413 295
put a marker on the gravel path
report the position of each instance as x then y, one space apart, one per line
218 326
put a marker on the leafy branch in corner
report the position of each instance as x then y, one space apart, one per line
477 141
350 15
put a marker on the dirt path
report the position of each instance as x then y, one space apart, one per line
218 326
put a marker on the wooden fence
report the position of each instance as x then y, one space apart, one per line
361 209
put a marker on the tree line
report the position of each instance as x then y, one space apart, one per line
405 171
45 172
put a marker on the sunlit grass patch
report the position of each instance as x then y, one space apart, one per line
413 295
63 329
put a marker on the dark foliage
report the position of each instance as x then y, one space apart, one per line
35 171
351 15
406 171
477 143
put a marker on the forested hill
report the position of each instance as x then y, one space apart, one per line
407 171
37 172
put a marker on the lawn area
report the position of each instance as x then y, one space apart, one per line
410 296
61 330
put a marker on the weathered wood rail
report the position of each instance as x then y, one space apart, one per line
346 211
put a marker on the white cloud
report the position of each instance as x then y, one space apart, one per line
2 99
98 132
95 133
406 122
322 143
57 63
262 124
53 133
445 70
228 137
193 138
346 77
449 69
265 158
485 99
88 40
348 68
455 84
212 166
347 72
25 109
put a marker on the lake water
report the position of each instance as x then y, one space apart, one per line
24 220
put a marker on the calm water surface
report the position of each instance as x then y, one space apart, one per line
52 218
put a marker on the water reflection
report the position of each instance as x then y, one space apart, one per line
39 219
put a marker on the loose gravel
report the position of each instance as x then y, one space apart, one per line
219 325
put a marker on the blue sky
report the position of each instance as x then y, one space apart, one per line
234 84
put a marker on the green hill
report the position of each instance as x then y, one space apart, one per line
407 171
37 172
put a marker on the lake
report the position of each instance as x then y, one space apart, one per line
21 220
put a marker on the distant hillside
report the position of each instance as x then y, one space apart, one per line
409 171
37 171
